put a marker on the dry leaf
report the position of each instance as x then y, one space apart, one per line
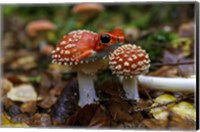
100 119
47 102
40 120
26 63
119 109
7 85
6 122
22 93
29 107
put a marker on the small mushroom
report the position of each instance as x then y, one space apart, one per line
38 29
127 62
38 26
88 8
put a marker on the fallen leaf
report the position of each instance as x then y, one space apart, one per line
10 107
47 102
7 85
119 109
186 29
20 118
40 120
25 63
83 116
18 79
6 122
22 93
183 109
165 71
152 124
100 119
29 107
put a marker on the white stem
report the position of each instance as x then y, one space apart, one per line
131 88
169 84
87 93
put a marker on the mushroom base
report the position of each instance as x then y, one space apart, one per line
130 86
87 93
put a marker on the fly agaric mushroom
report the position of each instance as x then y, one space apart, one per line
127 62
74 49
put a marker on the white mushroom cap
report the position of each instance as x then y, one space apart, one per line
129 60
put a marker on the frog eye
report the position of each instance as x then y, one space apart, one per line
105 38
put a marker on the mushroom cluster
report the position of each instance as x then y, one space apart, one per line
127 62
75 48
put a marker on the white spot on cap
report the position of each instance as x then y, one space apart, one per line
63 42
126 70
62 51
53 51
141 54
57 49
140 63
126 63
133 66
134 57
118 67
130 59
120 60
70 40
67 52
70 46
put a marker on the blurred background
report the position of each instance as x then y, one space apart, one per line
30 32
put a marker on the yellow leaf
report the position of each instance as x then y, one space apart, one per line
7 123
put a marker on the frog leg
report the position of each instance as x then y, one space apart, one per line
85 54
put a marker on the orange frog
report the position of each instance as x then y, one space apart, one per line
81 44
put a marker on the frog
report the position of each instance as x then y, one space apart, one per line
80 44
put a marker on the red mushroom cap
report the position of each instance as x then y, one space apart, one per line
129 60
72 45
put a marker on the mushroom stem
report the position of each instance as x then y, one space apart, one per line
87 93
131 88
168 84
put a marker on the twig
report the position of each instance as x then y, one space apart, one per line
173 64
164 104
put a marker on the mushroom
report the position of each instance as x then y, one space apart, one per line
87 11
38 29
88 8
76 50
127 62
39 25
